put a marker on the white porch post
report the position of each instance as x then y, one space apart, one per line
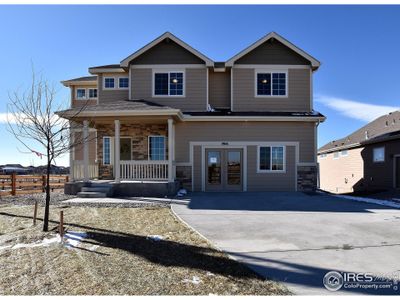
116 151
171 150
86 150
71 156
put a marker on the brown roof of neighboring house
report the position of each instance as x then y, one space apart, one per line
376 131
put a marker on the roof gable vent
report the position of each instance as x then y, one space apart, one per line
366 135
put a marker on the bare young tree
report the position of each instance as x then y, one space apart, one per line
31 118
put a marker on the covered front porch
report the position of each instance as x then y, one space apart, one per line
139 149
123 141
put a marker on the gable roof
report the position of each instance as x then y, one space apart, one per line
125 62
375 131
273 35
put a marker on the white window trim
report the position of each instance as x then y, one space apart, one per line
87 94
122 88
323 156
111 154
153 95
271 171
104 83
257 71
165 146
384 154
333 155
81 98
344 155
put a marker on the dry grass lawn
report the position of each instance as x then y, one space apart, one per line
116 257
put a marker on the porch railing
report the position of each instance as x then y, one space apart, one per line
78 170
144 170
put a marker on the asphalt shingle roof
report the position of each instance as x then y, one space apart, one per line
84 78
372 132
117 106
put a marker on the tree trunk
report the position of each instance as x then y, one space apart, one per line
47 205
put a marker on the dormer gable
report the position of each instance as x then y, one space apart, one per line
167 49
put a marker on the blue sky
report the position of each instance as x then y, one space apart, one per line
358 46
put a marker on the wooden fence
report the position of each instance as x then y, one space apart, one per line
29 184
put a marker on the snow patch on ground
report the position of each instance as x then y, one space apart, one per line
368 200
155 237
43 243
194 280
73 239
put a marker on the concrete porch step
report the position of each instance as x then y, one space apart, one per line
96 189
91 195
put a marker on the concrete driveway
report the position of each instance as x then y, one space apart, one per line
297 238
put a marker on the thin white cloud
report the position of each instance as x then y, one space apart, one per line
4 117
355 109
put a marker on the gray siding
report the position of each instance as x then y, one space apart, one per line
112 94
167 52
273 52
219 84
271 181
299 94
195 89
302 132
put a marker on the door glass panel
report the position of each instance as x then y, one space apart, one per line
214 167
125 149
234 167
398 172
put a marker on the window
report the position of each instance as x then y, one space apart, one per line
379 154
176 83
324 155
92 93
109 83
123 82
80 94
335 155
157 147
271 158
343 153
168 84
271 84
106 150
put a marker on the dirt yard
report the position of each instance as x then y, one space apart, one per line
116 251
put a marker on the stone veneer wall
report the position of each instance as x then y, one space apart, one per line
139 134
184 176
307 178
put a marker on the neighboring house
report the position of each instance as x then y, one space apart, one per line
366 160
246 124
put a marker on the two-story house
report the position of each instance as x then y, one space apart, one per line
169 113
